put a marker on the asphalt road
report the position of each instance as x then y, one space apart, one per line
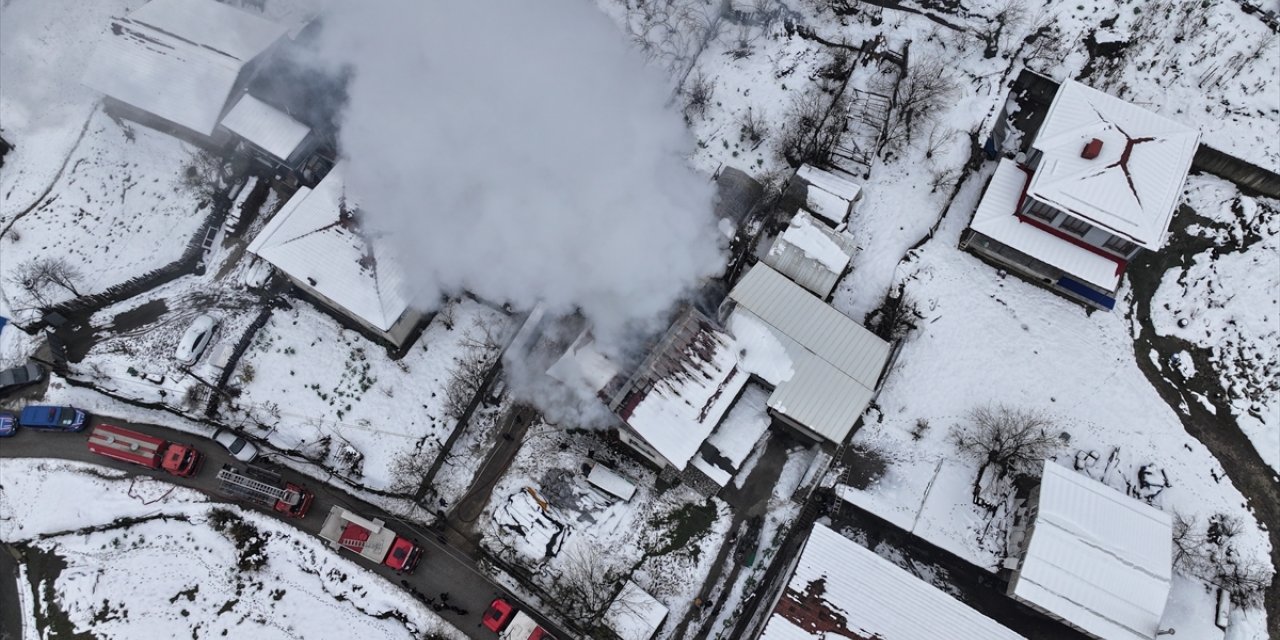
443 568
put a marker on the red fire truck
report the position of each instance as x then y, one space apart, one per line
181 460
371 539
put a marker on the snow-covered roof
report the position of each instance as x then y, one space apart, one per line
610 481
680 392
271 129
315 238
829 196
179 59
840 589
634 614
1133 186
824 365
1096 557
811 254
996 218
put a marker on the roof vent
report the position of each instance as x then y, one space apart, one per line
1091 149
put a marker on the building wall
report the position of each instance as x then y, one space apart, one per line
633 440
1095 236
1025 266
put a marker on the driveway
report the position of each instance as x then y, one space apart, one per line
443 568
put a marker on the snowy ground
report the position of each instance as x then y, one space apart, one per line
665 542
1226 301
121 581
326 390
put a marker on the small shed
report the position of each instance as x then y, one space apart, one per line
828 195
611 482
811 254
634 614
275 136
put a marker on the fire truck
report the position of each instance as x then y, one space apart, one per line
371 539
265 489
181 460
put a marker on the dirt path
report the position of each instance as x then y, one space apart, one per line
1216 429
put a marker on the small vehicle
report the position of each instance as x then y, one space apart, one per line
17 377
265 489
8 424
53 418
503 619
196 339
371 539
240 449
126 445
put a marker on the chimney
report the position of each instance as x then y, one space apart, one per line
1091 149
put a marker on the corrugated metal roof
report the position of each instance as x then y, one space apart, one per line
815 325
1133 187
839 585
811 254
272 130
996 219
308 240
1097 557
179 59
634 614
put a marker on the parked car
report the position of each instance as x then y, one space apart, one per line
53 418
240 449
8 424
196 339
11 379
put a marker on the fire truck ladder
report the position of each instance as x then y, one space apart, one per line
354 544
237 483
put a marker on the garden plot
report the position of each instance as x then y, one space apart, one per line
239 574
122 208
1225 300
325 391
583 544
983 339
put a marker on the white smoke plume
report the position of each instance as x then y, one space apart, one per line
522 151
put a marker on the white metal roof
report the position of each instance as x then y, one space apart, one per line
829 196
309 241
583 365
1133 187
996 218
179 59
832 363
841 582
811 254
610 481
272 130
634 614
1097 557
817 326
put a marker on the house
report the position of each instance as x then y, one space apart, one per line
827 195
634 614
839 589
175 65
811 254
1100 183
1091 556
272 136
824 368
318 241
681 390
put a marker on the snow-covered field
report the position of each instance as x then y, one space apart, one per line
183 564
328 391
1227 300
665 541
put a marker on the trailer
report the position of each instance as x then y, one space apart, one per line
370 539
126 445
265 489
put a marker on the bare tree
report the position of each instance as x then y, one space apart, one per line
408 469
812 128
698 91
994 32
205 174
470 375
39 278
753 129
915 101
1210 553
586 584
1006 440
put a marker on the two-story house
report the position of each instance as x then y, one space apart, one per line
1100 183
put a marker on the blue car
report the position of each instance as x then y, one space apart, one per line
53 418
8 424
